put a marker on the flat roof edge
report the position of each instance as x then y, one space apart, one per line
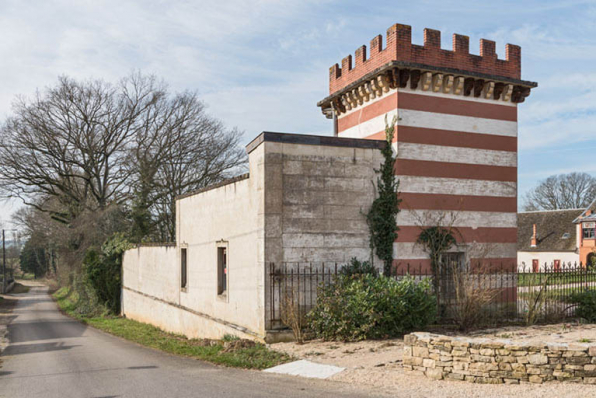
289 138
214 186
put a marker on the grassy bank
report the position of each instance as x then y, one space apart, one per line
231 352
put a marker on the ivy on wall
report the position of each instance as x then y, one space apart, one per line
381 217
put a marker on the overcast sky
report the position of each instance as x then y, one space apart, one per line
263 65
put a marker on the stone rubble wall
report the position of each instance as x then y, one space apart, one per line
496 361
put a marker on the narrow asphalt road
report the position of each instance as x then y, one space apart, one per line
51 355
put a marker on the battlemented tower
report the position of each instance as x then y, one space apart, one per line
456 136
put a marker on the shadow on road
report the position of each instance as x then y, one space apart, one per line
32 348
22 332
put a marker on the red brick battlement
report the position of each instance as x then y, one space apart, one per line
399 47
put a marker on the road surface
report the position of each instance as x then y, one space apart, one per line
51 355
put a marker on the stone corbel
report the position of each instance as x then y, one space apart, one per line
426 81
363 92
357 97
345 102
447 84
488 89
383 84
370 89
458 85
437 82
507 92
468 86
404 75
478 87
414 79
499 87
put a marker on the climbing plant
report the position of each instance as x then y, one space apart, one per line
381 217
435 241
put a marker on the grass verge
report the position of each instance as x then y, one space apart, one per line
256 356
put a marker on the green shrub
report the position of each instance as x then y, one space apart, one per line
103 270
368 307
586 305
357 267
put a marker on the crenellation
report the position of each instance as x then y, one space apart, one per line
399 47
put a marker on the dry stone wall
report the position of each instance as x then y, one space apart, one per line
498 361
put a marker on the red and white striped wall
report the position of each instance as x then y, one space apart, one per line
457 161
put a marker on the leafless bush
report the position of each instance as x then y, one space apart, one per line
472 295
292 315
537 305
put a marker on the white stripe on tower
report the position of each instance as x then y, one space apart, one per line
456 186
439 153
431 120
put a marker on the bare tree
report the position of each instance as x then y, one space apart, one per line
84 147
69 143
179 149
563 191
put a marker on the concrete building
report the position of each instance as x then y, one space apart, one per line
456 134
303 201
305 197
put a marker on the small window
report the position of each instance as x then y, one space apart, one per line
588 233
222 270
183 274
565 235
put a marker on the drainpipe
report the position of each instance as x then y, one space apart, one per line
334 123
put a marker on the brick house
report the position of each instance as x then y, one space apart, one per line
547 239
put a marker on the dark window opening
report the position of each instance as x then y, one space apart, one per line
183 278
588 233
453 260
222 270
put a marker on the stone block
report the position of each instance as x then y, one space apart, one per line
511 381
459 352
562 374
410 339
538 359
420 351
436 374
407 351
589 380
535 379
455 376
578 360
505 366
429 363
487 352
482 358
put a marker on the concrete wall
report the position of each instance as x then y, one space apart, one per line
524 259
229 215
317 199
151 293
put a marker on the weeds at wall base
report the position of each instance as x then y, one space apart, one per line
227 352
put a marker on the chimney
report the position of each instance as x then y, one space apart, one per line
533 243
